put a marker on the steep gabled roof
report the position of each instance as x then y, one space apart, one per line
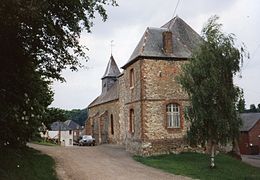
184 38
72 125
249 120
59 126
110 95
112 69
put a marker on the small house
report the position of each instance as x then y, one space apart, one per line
249 141
61 133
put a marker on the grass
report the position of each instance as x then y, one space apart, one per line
46 143
26 164
196 165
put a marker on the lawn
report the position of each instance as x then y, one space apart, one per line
196 165
26 164
45 143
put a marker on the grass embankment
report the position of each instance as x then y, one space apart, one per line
26 164
45 143
196 165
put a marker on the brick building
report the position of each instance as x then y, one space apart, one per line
249 140
143 107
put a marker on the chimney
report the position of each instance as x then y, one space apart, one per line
167 42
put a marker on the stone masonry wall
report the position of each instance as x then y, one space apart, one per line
95 114
130 98
159 88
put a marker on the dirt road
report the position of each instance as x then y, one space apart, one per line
108 162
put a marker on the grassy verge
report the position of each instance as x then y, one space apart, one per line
197 166
44 143
25 164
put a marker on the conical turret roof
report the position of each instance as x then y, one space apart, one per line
112 69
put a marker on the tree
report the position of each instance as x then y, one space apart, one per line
208 80
38 40
252 108
78 115
241 104
258 107
54 114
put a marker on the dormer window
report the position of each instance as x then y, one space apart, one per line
131 78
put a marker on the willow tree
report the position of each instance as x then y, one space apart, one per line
208 80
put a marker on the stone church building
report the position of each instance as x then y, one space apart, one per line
143 106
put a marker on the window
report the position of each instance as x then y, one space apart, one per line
112 124
131 121
173 116
131 78
70 131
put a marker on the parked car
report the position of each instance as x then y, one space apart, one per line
87 140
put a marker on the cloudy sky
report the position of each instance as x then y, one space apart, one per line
127 23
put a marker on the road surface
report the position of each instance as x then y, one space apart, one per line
103 162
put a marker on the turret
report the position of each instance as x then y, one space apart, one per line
110 76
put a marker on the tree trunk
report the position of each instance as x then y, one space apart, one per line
235 149
212 158
211 150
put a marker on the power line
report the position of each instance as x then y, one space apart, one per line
176 8
174 12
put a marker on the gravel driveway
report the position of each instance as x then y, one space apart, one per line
108 162
253 160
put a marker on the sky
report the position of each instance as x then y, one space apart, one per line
126 25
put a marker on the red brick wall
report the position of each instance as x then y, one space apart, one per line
254 133
244 143
247 138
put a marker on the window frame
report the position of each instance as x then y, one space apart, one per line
131 78
112 124
131 121
173 116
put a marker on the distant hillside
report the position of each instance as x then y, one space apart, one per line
77 115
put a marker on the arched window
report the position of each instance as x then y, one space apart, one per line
112 124
173 115
132 121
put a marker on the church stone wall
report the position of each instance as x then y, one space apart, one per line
159 88
101 115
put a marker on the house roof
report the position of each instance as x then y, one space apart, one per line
72 125
59 126
110 95
184 38
112 69
249 120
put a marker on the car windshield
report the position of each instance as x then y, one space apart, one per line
87 137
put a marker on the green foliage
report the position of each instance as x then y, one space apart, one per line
252 108
26 163
77 115
48 31
54 114
196 166
208 80
241 104
38 40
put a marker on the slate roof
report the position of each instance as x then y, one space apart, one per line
58 125
110 95
249 120
72 125
112 69
185 40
